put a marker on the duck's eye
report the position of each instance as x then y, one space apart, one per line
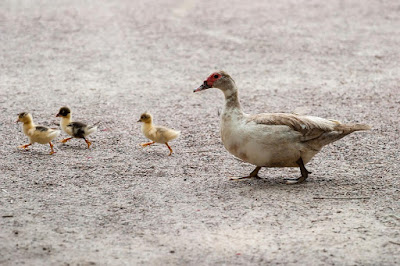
216 76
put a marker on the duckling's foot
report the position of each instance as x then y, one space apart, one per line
147 144
302 178
65 140
253 174
170 150
88 143
24 146
52 148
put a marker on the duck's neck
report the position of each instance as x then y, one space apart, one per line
147 126
27 126
232 103
65 121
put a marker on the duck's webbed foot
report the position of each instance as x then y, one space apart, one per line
147 144
65 140
302 178
253 174
170 150
24 146
88 143
51 148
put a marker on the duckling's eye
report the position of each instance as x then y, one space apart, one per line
216 76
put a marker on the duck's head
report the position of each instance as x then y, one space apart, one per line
24 117
64 112
220 80
145 118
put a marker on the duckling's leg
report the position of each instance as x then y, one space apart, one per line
65 140
25 146
147 144
170 150
304 174
87 142
251 175
52 149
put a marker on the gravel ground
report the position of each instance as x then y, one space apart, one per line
119 204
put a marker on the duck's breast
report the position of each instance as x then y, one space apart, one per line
261 145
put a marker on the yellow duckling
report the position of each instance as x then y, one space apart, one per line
157 134
39 134
74 129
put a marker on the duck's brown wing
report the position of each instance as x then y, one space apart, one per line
310 127
315 131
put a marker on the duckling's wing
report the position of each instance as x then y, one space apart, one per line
78 129
42 134
165 134
41 128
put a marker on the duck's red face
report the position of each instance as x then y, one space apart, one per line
209 82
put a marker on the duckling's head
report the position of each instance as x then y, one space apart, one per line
220 80
64 112
146 118
24 117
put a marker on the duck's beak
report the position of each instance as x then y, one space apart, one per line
57 115
140 120
16 121
203 86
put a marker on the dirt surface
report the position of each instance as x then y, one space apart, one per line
119 204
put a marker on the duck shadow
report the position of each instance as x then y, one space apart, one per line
265 183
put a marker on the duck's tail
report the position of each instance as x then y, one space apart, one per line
91 129
349 128
339 131
173 134
54 134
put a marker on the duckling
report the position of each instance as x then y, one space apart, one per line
74 129
39 134
157 134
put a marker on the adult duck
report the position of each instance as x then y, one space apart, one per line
273 139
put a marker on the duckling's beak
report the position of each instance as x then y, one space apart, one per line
203 86
140 120
58 115
17 121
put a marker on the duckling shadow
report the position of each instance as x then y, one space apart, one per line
156 154
63 146
35 153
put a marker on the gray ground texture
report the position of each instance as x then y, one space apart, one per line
120 204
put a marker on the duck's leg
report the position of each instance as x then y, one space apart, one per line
170 150
147 143
25 146
87 142
304 174
52 148
251 175
65 140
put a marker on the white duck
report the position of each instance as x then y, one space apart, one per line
39 134
74 129
276 139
